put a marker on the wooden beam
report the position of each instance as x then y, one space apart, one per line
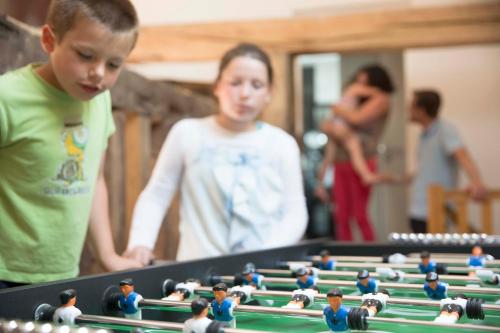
137 143
280 111
396 29
436 200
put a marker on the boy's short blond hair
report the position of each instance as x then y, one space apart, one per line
117 15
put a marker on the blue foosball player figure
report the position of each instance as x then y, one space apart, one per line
335 314
426 265
223 306
252 278
129 300
326 264
304 280
435 289
477 258
365 283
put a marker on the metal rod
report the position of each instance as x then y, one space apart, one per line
434 324
409 260
391 300
148 323
343 283
353 274
319 314
375 265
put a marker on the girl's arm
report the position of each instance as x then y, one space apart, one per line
155 199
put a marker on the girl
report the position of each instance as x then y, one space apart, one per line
240 179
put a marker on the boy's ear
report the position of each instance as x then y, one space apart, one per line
48 39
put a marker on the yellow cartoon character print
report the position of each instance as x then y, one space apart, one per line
74 139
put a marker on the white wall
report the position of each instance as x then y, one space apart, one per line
468 78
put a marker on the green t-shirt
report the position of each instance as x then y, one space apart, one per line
50 151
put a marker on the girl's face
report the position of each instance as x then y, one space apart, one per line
243 90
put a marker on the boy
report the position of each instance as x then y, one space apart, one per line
55 120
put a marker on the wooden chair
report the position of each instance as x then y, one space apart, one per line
437 203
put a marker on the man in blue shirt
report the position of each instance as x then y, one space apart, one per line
335 314
440 152
304 280
223 306
365 283
129 300
326 263
433 288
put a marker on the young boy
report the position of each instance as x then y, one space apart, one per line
55 121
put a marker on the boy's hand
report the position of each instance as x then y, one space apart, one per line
142 254
115 262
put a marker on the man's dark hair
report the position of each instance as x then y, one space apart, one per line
429 101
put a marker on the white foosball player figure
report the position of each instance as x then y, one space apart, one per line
488 276
67 312
302 298
243 293
375 302
199 322
387 273
183 290
452 310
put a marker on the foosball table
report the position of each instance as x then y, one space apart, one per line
287 290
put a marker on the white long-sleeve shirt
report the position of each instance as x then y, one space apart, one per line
239 191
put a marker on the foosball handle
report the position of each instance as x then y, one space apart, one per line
238 280
474 308
168 287
44 312
109 301
356 319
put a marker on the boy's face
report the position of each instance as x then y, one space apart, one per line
88 59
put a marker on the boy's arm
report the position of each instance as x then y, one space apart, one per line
476 187
100 229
